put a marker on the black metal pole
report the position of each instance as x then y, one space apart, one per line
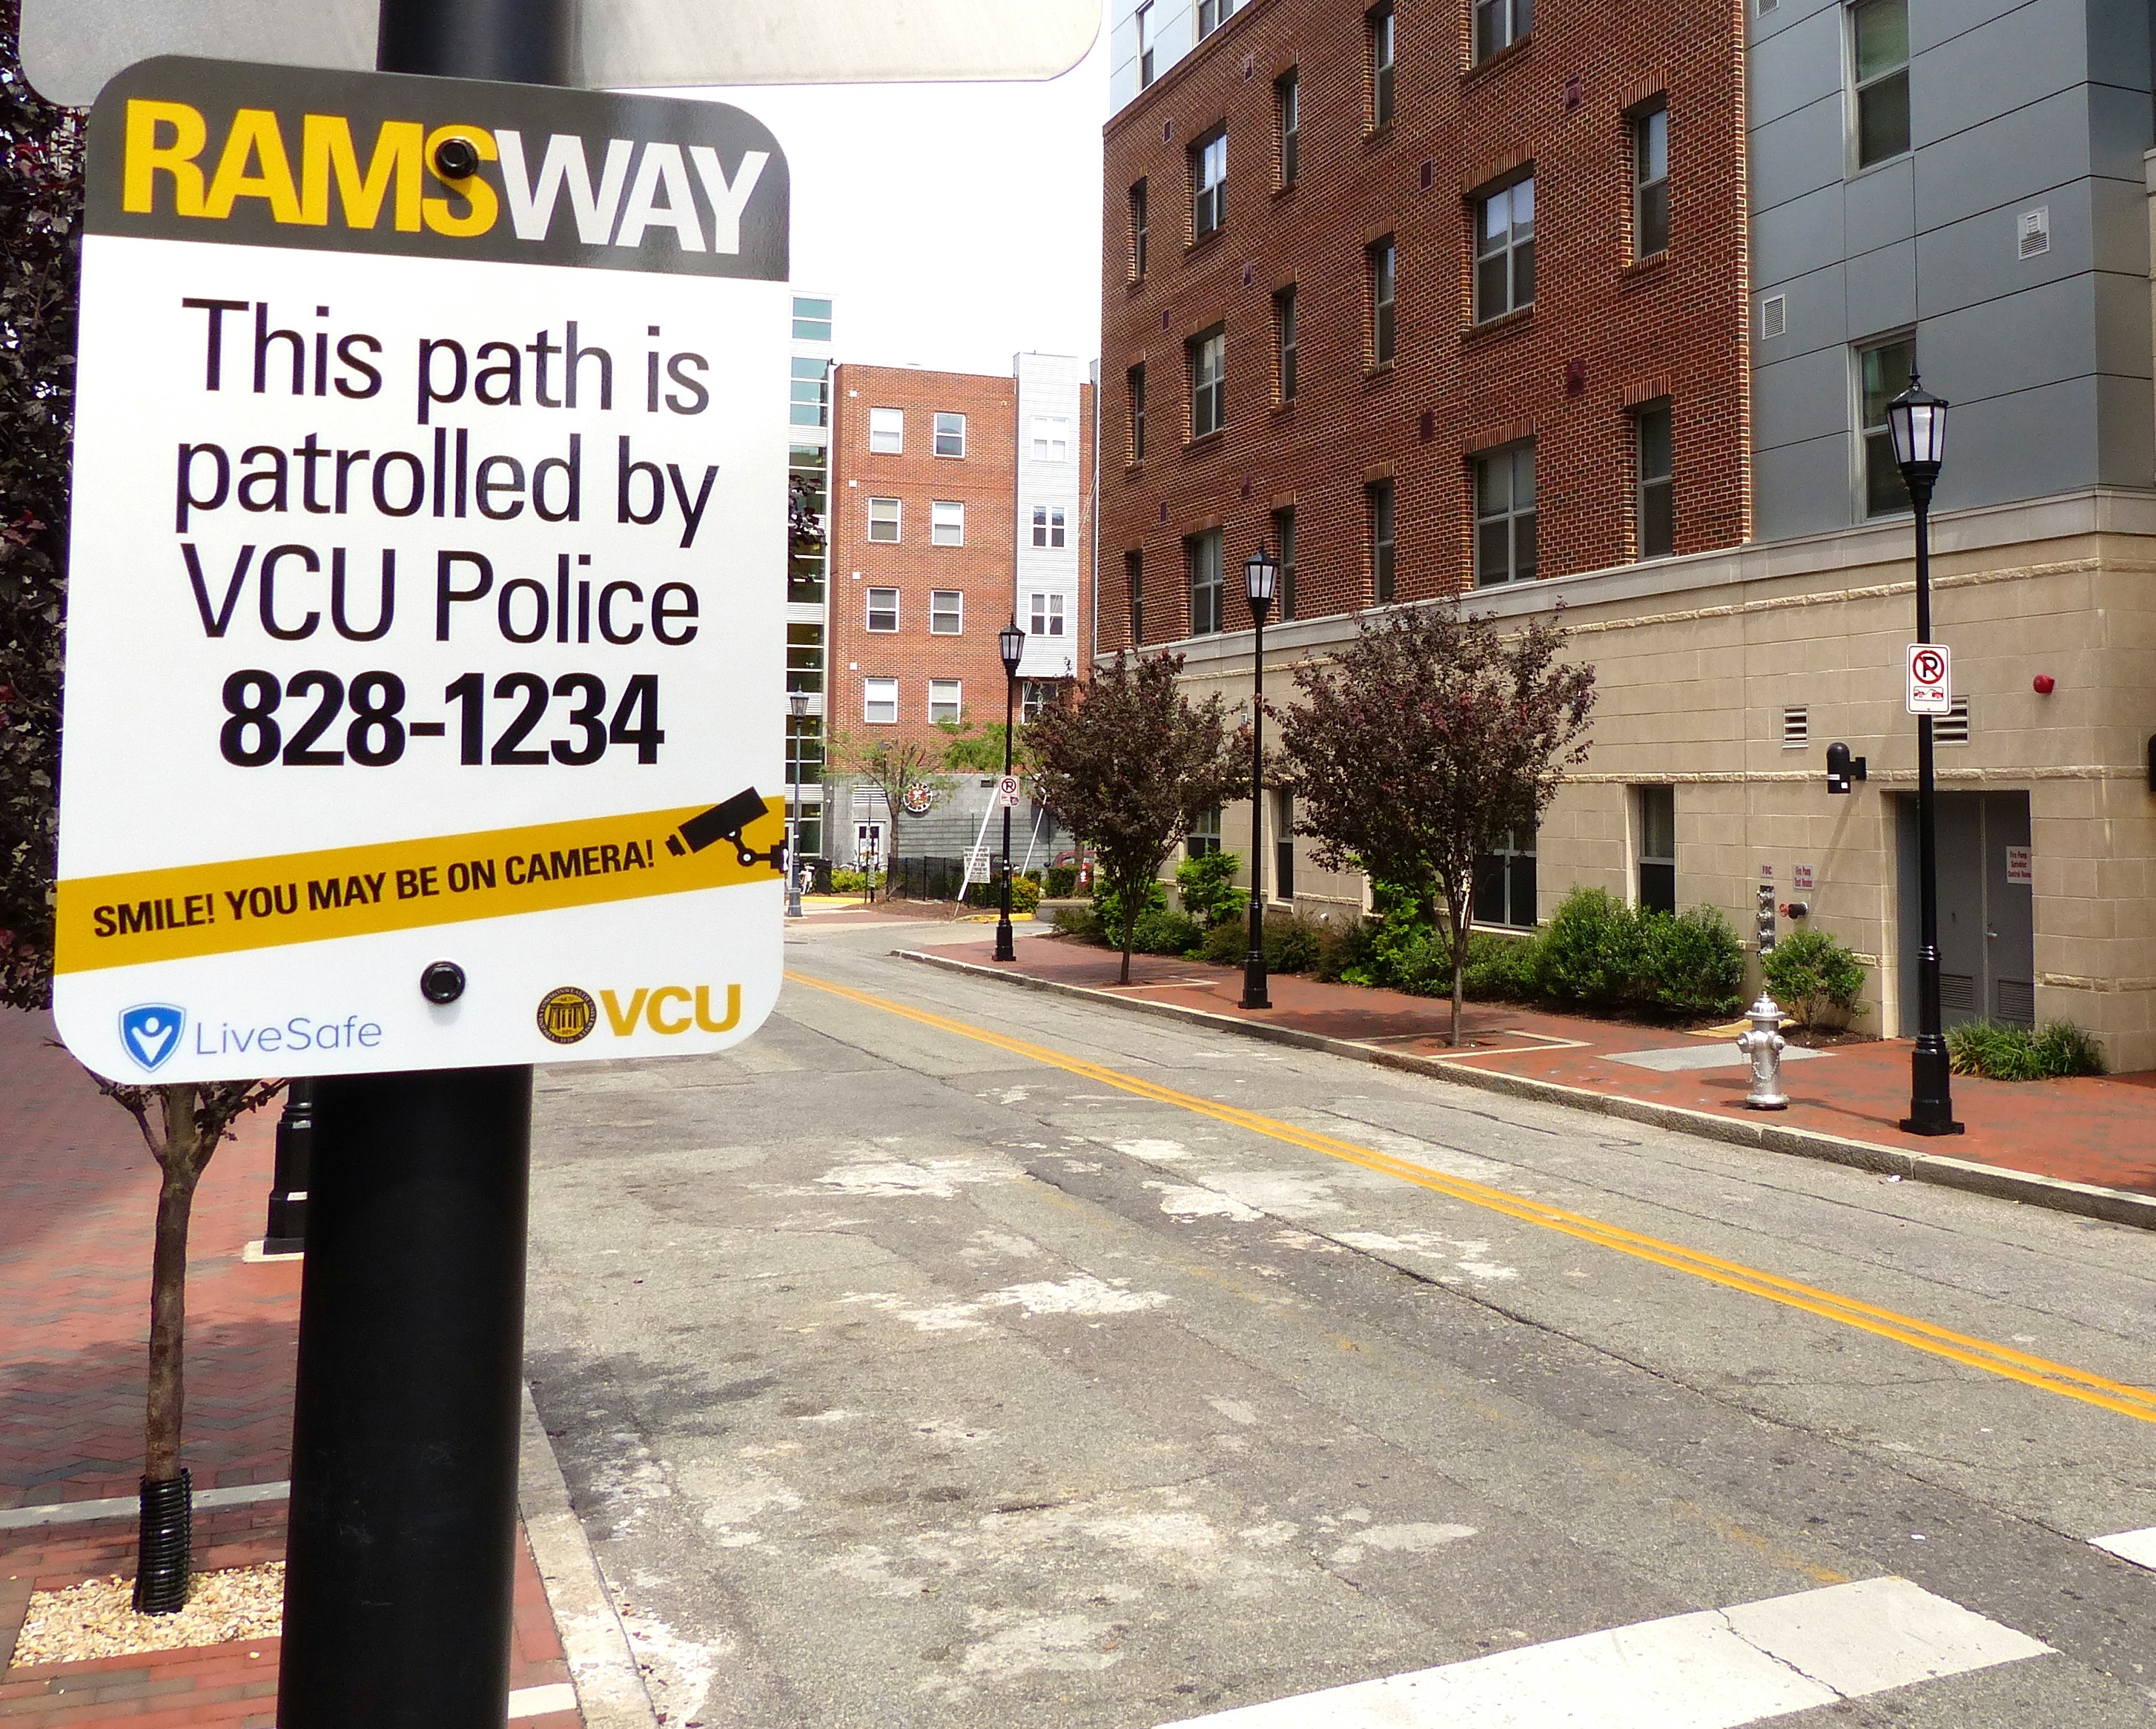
1006 945
1255 993
285 1230
1931 1096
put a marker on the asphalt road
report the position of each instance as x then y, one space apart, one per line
1034 1364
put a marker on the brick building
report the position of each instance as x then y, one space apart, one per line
960 501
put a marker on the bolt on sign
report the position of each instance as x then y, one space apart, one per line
426 583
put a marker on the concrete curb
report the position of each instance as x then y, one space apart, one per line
2112 1205
609 1684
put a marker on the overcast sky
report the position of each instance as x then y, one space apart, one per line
954 224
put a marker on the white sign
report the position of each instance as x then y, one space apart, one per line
426 598
1931 678
2021 866
1007 791
1802 878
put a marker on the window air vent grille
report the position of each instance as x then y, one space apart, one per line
1796 728
2017 1001
2033 227
1767 6
1773 317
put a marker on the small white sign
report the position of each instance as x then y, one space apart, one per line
1006 792
2021 866
1931 678
1766 873
1804 878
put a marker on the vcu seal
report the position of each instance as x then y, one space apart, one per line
567 1014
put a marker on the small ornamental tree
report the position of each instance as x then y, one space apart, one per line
890 765
1423 741
1129 766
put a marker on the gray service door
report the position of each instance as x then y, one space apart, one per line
1987 925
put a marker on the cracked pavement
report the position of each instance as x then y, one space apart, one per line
901 1381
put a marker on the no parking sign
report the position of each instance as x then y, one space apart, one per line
1931 678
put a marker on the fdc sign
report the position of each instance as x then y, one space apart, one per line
424 643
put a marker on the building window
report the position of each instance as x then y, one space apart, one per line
810 392
1657 810
1144 22
950 435
1284 544
1206 592
944 707
1137 230
1377 22
1505 251
808 474
1208 383
879 701
1284 344
812 320
1287 123
1884 373
1283 846
1048 525
1650 182
1051 439
1213 13
1378 497
1381 265
1203 838
1879 55
1134 384
1036 696
946 612
804 658
883 519
1208 184
805 750
947 523
1500 23
1504 516
1657 500
883 609
887 431
1504 881
1134 584
1047 615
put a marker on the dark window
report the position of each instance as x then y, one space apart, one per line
1284 344
1658 848
950 434
1657 502
1650 182
1209 382
1880 55
1499 23
804 749
1208 184
1137 230
1379 496
1383 266
804 658
1283 846
1206 588
1145 45
1886 372
1203 838
1134 382
1505 251
1213 13
1287 115
1505 529
1134 581
1504 881
1284 542
1379 24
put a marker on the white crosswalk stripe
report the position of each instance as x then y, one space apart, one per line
1716 1669
2139 1547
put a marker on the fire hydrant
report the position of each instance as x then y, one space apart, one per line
1763 1044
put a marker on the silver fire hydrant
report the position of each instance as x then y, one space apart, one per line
1763 1044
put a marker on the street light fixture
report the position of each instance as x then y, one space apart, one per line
1917 421
1011 640
1260 583
796 704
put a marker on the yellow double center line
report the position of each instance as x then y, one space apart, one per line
1977 1353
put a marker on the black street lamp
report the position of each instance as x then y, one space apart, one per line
1011 640
1260 583
796 704
1917 421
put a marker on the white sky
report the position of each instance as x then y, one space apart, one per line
954 224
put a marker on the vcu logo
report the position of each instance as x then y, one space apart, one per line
567 1014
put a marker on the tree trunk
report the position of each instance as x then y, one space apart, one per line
181 1169
1461 911
1129 936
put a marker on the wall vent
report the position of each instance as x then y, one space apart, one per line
1796 728
1773 317
1952 728
2033 227
1767 6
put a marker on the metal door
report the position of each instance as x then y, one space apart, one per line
1987 922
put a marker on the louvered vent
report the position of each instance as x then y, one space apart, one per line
1767 6
1796 728
1952 728
2033 227
1773 317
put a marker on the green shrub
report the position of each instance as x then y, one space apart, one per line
1062 882
1227 944
1083 921
1025 895
1343 947
1996 1051
1815 978
1110 906
1293 942
850 882
1591 952
1499 969
1161 933
1692 963
1207 886
2065 1049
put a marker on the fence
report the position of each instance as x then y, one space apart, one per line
925 879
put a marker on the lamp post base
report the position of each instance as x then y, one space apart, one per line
1006 947
1930 1098
1254 993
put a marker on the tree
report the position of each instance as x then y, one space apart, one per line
1423 741
892 764
1130 765
974 750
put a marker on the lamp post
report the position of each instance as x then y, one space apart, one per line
1011 640
797 704
1260 583
1917 421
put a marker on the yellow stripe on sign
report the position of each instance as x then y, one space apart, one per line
1996 1359
181 911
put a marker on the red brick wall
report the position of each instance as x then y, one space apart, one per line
1602 335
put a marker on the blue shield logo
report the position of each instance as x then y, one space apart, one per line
151 1032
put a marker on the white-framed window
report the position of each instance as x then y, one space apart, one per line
1650 181
950 435
1051 438
879 702
1202 552
1203 837
1208 184
947 523
1879 68
811 392
1048 525
1657 499
883 519
1037 695
1213 13
1883 371
946 612
887 431
944 703
1144 23
1378 22
1504 520
1500 23
1047 615
1208 361
883 609
1505 251
812 320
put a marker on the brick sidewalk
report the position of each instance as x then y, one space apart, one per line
2101 1131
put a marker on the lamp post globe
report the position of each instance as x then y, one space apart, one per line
1261 584
797 707
1010 642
